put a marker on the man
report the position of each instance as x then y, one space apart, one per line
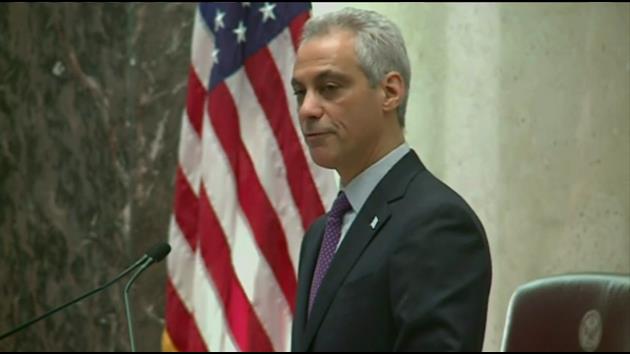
400 262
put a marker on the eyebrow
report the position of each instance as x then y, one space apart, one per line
326 74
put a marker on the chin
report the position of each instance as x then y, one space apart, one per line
323 158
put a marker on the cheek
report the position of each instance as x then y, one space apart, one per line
355 117
363 118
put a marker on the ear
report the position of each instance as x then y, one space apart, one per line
393 87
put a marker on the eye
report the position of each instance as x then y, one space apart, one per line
330 87
329 90
299 95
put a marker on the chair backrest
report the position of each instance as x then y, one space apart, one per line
572 312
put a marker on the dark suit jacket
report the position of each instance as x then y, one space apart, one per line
418 281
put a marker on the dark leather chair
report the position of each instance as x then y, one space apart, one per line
572 312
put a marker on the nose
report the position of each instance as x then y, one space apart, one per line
311 107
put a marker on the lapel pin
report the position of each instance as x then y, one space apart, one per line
374 222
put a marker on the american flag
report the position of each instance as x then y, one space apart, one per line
245 189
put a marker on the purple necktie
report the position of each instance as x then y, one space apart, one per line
332 234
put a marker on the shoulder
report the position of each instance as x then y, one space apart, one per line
432 213
433 197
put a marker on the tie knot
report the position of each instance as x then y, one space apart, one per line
340 206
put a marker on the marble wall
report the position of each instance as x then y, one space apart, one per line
525 110
91 97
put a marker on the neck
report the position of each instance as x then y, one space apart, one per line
377 152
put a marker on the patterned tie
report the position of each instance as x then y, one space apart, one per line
329 244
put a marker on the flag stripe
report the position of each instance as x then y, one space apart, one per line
186 212
196 292
209 310
189 153
201 49
257 208
251 268
261 145
195 100
245 326
180 256
180 324
296 27
267 84
179 264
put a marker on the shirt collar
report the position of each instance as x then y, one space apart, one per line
360 187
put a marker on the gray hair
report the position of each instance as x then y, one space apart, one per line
379 46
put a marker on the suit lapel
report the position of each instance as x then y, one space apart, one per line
312 242
349 252
363 229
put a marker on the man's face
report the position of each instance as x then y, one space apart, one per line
340 114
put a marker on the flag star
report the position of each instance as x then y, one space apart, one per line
218 20
267 11
215 56
240 32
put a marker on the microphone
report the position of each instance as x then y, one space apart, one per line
154 255
157 252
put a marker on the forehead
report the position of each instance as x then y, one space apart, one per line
328 54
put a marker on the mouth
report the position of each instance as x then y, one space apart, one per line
313 135
316 138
